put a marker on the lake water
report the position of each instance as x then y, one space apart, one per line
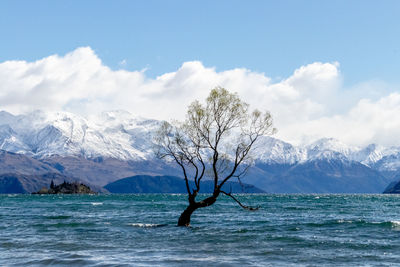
139 230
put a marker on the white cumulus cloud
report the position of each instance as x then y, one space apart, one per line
309 104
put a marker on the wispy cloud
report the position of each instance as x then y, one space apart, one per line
123 63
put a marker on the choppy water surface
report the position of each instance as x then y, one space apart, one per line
139 230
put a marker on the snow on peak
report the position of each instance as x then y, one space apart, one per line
370 154
272 150
329 148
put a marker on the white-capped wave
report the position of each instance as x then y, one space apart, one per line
344 221
146 225
395 224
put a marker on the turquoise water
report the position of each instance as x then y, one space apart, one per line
139 230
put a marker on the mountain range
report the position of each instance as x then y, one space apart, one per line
116 144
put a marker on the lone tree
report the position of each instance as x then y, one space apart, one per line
215 142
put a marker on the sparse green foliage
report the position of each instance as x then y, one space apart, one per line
215 140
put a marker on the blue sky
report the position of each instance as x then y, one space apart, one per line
323 68
272 37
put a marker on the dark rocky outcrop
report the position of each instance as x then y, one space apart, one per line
66 188
171 184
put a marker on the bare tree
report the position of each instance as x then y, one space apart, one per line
214 141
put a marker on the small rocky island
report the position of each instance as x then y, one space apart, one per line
66 188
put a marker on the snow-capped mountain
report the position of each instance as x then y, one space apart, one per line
389 162
114 134
124 136
370 154
274 151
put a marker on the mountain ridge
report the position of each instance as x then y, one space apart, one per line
112 145
124 136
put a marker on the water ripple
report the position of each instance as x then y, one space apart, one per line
140 230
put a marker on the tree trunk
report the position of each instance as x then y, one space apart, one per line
184 219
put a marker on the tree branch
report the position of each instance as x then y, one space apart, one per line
240 204
239 159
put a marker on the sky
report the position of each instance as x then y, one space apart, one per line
322 68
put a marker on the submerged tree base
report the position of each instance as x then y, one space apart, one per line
184 219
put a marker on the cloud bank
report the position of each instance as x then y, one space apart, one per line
309 104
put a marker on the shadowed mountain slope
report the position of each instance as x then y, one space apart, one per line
171 184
